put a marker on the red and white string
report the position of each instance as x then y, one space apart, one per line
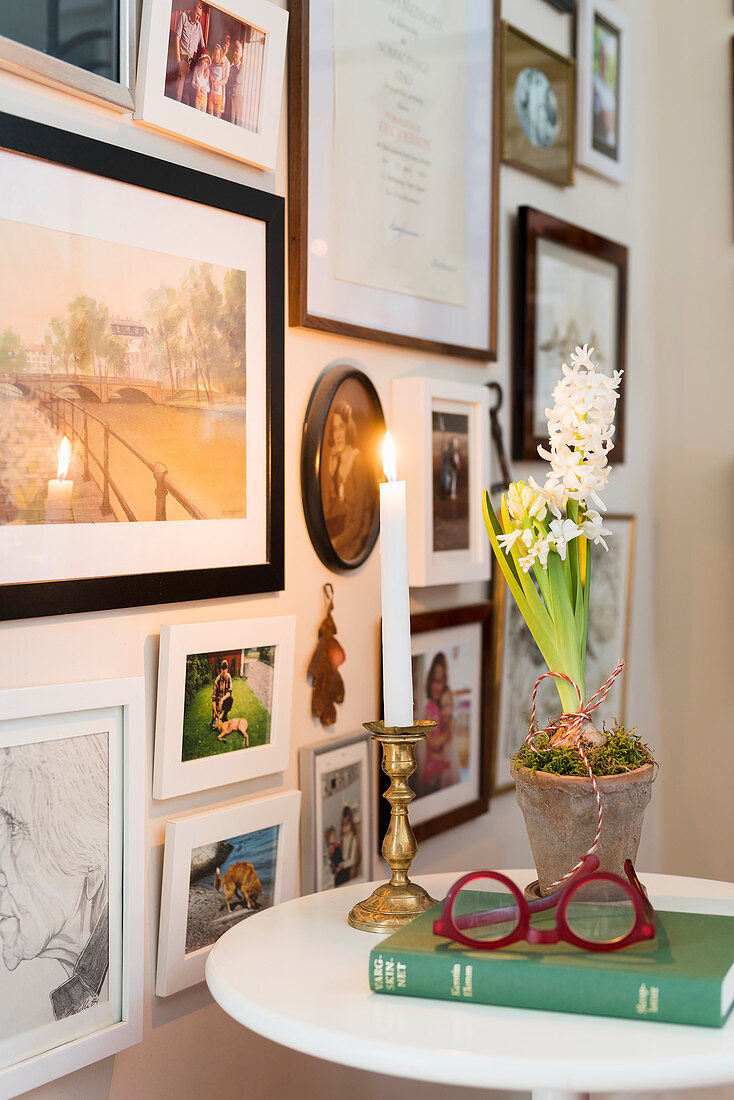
573 723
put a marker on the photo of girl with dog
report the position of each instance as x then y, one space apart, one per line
228 701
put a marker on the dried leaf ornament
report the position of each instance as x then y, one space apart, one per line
328 686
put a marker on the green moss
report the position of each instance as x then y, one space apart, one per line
621 752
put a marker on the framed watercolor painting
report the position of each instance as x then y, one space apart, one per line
219 868
602 51
451 685
137 350
442 451
72 835
341 466
516 660
572 291
213 74
418 267
537 108
337 832
224 703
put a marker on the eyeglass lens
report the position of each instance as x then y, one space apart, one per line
600 911
485 909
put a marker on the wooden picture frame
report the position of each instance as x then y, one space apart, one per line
571 290
445 298
59 188
449 796
602 43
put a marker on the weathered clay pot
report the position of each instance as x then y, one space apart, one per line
561 817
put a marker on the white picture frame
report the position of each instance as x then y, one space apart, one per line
605 156
339 772
177 770
155 94
178 968
113 896
435 526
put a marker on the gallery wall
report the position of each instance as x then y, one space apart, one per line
190 1047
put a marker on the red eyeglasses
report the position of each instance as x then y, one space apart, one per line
595 910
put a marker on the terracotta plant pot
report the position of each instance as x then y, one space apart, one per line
561 817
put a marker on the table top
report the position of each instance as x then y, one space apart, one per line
298 974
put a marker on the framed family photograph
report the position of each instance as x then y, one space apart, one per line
369 133
537 108
451 686
341 466
219 868
213 74
572 290
72 835
517 663
602 51
442 451
141 383
337 832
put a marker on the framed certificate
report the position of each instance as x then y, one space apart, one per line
394 114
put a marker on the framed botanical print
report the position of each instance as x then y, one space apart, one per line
368 132
537 107
219 868
135 472
572 291
72 835
213 74
602 51
224 703
442 449
341 466
516 659
337 831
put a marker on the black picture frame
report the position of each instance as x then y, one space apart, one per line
28 600
314 427
567 6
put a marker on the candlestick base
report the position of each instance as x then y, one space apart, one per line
395 903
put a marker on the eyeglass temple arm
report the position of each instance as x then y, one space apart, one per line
507 912
646 903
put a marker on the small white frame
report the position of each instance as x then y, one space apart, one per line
586 154
413 401
177 970
173 776
154 108
65 700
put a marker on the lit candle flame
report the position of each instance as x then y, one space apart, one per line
64 459
388 458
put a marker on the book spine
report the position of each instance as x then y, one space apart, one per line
507 981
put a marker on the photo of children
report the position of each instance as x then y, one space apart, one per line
341 817
228 701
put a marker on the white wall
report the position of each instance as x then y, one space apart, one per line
190 1047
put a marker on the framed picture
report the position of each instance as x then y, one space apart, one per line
517 663
72 835
337 832
537 108
213 74
224 703
572 290
451 677
139 357
341 466
442 449
602 51
566 6
86 49
418 266
218 869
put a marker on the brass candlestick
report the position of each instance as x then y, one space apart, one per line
396 902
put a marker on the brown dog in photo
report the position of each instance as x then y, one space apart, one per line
232 725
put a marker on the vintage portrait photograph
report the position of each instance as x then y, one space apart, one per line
450 464
228 701
229 880
341 794
606 92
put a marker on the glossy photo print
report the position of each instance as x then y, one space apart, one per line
450 459
606 87
228 701
341 822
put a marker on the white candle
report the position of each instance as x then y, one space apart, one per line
397 679
58 498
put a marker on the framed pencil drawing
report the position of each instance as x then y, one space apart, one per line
603 51
369 133
136 348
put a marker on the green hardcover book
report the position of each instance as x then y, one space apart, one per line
684 976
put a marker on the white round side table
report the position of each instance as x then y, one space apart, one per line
297 974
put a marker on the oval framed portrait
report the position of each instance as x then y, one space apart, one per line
341 466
